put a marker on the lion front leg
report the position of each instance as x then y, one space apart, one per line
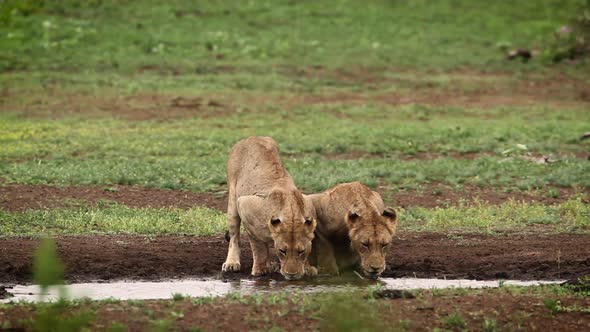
260 253
232 262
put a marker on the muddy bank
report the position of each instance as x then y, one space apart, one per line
20 197
468 256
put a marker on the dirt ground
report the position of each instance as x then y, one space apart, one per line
493 90
17 197
89 258
508 312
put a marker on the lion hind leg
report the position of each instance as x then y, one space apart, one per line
325 257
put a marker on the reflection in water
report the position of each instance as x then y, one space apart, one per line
216 287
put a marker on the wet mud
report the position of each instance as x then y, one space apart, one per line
420 255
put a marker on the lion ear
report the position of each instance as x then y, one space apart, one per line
389 213
352 217
275 222
310 224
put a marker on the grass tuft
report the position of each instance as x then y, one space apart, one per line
115 219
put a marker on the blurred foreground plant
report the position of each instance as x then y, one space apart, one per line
48 271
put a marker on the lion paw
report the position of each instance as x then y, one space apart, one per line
275 267
311 271
231 267
260 271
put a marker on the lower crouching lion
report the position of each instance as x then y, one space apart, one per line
263 196
353 226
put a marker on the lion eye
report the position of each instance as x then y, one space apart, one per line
365 244
301 252
283 252
384 245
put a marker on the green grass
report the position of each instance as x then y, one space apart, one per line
261 59
191 154
116 219
571 216
113 35
392 131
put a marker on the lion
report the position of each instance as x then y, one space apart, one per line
264 197
353 227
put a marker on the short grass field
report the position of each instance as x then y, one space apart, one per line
415 99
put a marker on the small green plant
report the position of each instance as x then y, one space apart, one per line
161 325
579 286
236 297
275 298
372 291
553 193
489 325
202 300
553 305
117 327
454 322
349 312
404 324
178 296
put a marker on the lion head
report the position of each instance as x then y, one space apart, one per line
292 229
370 234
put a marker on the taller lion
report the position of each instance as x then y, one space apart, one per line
264 197
353 227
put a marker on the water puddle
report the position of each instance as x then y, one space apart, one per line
216 287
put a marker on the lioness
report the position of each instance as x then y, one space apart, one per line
352 224
262 195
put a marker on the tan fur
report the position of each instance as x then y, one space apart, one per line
350 215
263 196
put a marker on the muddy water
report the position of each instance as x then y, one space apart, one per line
216 287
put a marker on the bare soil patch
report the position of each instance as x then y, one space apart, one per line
144 106
473 256
19 197
351 86
439 195
16 197
463 88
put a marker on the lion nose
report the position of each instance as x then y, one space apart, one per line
375 268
